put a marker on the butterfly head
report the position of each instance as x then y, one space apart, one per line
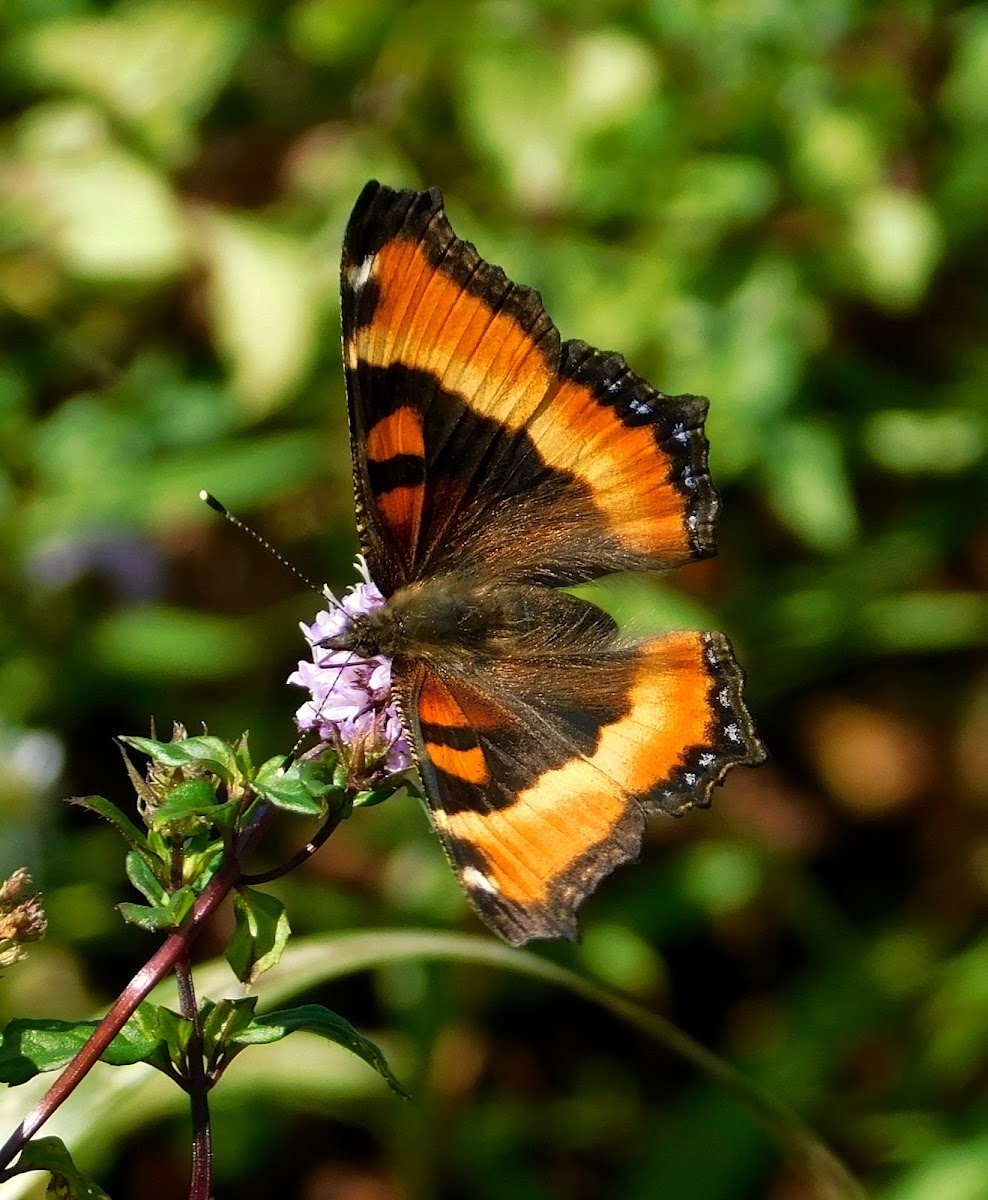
367 634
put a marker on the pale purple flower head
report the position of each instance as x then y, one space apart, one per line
351 697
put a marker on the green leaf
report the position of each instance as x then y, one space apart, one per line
199 867
160 918
379 795
260 934
192 796
192 807
314 1018
221 1023
168 1032
287 790
324 775
67 1181
273 770
945 442
241 754
32 1046
147 1033
166 753
109 812
160 846
141 873
212 753
925 621
895 241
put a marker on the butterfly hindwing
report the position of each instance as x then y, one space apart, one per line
539 777
481 441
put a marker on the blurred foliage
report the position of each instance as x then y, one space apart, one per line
781 206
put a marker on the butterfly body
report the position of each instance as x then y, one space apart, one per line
470 623
493 465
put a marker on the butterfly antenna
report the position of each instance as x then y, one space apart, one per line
216 506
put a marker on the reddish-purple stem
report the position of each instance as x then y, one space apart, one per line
300 856
197 1086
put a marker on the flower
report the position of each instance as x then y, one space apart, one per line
351 705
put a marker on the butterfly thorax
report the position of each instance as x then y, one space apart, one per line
453 617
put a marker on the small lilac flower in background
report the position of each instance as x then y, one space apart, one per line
350 705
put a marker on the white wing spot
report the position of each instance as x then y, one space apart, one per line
732 732
690 778
706 760
679 434
724 697
358 276
473 878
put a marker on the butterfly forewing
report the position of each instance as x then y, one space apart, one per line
484 443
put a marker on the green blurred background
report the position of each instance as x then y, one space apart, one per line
782 206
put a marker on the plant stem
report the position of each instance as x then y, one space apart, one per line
198 1086
171 951
307 851
202 1146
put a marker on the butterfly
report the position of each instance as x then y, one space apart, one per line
493 465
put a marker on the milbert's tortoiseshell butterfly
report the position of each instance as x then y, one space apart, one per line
493 464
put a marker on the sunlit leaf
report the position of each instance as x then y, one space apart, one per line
927 443
260 934
114 815
896 241
67 1181
313 1018
156 65
264 303
160 918
289 790
32 1046
104 213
